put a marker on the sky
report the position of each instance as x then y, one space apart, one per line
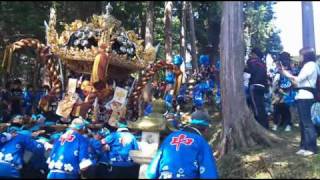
288 20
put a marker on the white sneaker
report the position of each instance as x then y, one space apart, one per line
275 128
307 153
288 128
300 152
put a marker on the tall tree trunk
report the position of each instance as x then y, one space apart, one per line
183 36
168 30
193 37
307 24
147 94
183 30
149 24
240 130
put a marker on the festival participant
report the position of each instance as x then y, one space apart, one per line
101 155
70 155
5 104
27 100
258 85
200 111
185 154
281 94
169 102
16 98
119 144
181 98
306 83
13 149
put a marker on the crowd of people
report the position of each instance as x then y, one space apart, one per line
82 151
41 144
286 87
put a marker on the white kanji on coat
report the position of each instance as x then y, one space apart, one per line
51 164
202 169
75 153
68 167
58 165
195 163
18 146
8 157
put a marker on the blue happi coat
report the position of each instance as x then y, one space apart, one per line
70 153
99 155
183 155
27 101
121 143
182 94
12 152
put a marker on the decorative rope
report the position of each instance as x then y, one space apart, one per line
143 80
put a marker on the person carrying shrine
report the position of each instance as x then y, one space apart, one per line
70 155
119 144
185 154
100 154
13 145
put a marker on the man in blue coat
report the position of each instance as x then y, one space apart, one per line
70 155
185 154
12 148
120 143
100 155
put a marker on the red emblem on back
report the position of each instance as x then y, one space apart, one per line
66 138
181 139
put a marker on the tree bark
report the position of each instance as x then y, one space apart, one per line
240 129
149 24
183 37
193 37
183 30
168 30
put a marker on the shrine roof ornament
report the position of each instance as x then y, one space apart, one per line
80 41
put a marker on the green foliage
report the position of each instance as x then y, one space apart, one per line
24 17
260 27
207 23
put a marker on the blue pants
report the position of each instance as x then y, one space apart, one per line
307 128
61 175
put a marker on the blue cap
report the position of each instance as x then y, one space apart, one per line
25 132
177 60
204 60
200 122
103 132
79 123
122 125
55 136
49 123
170 78
40 116
43 139
12 129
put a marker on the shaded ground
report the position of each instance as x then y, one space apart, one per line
276 162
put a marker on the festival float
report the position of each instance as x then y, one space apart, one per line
104 51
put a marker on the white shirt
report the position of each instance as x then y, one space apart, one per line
307 78
246 77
